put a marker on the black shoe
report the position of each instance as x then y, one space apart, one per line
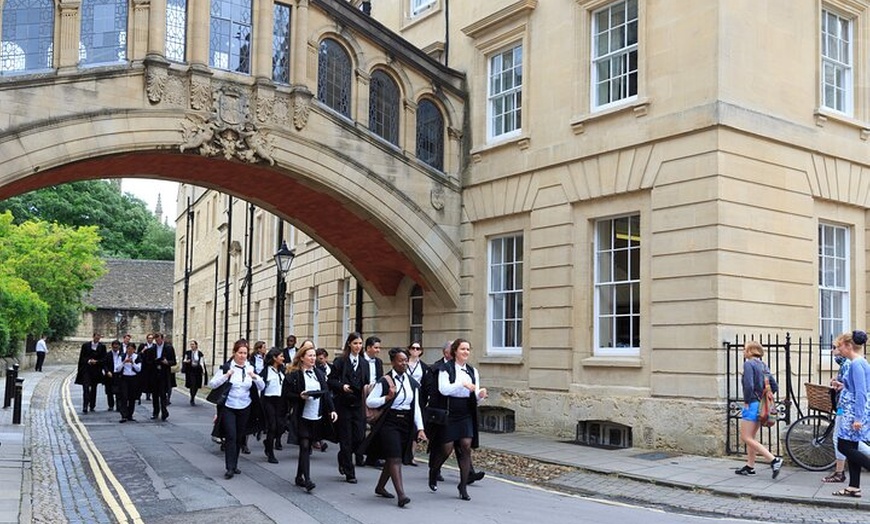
382 492
245 450
300 482
153 417
440 478
122 420
433 480
278 445
272 459
463 494
237 471
85 411
404 502
475 476
228 474
309 486
745 470
111 408
350 479
192 403
323 447
360 463
340 469
164 416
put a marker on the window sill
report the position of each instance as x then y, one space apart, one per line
822 114
504 360
612 362
640 107
413 19
521 141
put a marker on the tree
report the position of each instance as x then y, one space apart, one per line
59 263
21 312
125 224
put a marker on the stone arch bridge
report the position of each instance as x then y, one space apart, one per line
308 108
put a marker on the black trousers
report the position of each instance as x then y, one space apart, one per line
109 384
856 459
159 388
275 415
351 429
234 423
89 395
40 360
127 395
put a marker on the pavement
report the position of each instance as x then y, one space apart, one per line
694 484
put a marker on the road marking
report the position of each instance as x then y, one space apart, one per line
102 473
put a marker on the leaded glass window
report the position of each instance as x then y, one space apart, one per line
176 30
430 134
104 32
230 36
281 44
334 76
26 35
384 107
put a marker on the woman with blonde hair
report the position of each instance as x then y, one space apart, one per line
754 372
855 403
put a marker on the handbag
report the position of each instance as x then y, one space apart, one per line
373 414
437 416
218 395
768 416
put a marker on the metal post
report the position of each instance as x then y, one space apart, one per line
11 375
16 409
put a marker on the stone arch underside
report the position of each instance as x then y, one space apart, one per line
379 235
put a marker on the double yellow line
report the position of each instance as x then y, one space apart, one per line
110 488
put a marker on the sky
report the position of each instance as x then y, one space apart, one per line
147 190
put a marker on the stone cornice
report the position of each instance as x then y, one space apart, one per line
519 8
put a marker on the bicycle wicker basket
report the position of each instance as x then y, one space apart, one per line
819 397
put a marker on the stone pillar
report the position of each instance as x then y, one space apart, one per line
68 35
452 150
408 138
198 17
264 20
138 29
299 61
157 28
359 99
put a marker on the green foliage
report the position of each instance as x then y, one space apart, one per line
59 263
125 224
21 312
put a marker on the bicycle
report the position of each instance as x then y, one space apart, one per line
809 440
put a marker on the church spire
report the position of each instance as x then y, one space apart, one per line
158 210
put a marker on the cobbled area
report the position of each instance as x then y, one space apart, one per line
62 489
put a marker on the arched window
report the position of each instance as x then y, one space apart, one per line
104 32
430 134
416 314
384 107
230 35
176 30
26 35
334 76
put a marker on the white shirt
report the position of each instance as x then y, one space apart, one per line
405 400
311 411
457 389
373 377
128 369
239 396
416 371
41 347
274 383
259 363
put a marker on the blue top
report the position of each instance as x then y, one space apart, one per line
854 401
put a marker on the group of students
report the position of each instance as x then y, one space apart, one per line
852 399
299 391
126 371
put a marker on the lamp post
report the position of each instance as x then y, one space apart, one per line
283 260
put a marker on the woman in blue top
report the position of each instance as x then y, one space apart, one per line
754 371
855 402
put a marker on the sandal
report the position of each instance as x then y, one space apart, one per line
837 476
846 492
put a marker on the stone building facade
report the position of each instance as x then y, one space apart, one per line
677 173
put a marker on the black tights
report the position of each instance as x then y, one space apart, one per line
463 457
856 459
303 466
393 471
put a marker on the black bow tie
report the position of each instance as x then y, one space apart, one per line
310 373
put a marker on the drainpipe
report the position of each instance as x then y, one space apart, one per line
214 315
227 279
446 31
188 256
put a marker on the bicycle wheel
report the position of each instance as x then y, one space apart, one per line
809 442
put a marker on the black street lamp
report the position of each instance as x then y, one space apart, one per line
283 260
